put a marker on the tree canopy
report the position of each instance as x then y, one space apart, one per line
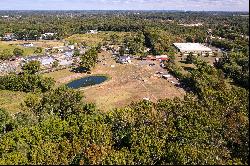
89 59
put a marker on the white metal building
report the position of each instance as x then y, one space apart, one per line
195 48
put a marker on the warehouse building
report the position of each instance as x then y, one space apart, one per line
195 48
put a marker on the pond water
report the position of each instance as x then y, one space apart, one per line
87 81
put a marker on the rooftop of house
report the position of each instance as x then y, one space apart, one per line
49 33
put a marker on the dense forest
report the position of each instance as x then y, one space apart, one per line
210 125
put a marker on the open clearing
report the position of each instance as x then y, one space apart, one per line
10 100
129 82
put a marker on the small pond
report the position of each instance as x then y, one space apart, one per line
86 81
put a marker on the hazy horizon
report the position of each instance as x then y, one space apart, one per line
179 5
121 10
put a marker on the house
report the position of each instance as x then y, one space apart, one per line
166 76
47 36
191 25
162 57
124 59
8 36
150 57
6 16
28 44
93 31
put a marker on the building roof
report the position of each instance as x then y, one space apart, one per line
189 47
161 57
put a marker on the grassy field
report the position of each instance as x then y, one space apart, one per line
11 45
94 39
58 75
11 101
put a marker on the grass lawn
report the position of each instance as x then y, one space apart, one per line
11 45
10 101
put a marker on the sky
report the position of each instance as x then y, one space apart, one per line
194 5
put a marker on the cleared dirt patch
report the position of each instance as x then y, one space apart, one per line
129 82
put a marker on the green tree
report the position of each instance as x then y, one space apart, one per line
76 53
5 54
198 39
190 58
6 122
18 52
55 64
122 51
98 48
26 82
89 59
32 67
236 66
114 38
61 101
38 50
189 39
